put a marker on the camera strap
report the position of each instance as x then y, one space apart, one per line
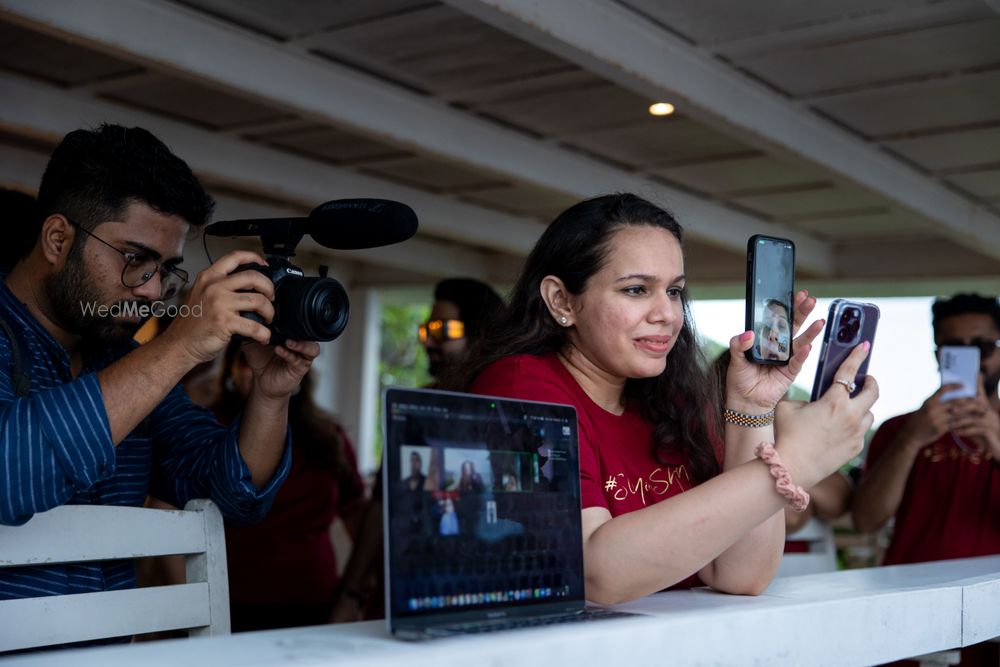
20 375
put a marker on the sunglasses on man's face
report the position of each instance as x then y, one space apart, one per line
986 347
441 330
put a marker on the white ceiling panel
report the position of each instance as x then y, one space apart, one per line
418 48
873 226
298 17
326 143
885 57
806 203
56 60
878 22
589 106
658 142
982 184
433 174
740 175
524 199
724 20
606 38
956 101
202 104
951 149
906 258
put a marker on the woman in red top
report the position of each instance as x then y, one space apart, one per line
599 320
283 570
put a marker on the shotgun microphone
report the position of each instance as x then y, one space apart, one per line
317 308
341 224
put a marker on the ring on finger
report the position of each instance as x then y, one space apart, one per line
848 384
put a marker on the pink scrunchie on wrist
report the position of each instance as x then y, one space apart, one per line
797 497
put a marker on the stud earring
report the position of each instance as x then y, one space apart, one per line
563 320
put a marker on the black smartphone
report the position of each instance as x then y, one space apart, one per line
848 324
770 297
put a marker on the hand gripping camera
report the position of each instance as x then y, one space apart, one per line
317 308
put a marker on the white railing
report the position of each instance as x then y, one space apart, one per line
854 617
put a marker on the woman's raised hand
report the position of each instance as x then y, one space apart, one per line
816 439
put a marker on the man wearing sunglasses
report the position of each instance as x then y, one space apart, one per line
87 416
462 307
937 470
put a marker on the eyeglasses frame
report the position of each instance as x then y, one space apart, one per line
160 269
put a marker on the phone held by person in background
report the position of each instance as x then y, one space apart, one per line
959 365
848 325
770 298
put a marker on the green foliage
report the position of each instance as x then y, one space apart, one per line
402 361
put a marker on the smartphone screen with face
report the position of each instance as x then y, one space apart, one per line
848 325
959 365
770 290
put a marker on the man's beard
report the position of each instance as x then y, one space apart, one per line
442 363
72 288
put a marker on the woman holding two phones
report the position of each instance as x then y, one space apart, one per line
599 319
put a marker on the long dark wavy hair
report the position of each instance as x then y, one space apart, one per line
678 402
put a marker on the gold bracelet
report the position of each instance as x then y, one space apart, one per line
752 421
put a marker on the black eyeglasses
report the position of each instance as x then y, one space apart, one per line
986 347
140 268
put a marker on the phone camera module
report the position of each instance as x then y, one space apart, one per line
849 326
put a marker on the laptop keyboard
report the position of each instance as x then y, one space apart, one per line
514 623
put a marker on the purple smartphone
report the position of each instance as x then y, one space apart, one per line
849 324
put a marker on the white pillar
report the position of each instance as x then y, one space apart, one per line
356 375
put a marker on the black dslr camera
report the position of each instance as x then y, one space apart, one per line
304 308
317 308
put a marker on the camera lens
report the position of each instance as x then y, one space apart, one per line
849 326
311 308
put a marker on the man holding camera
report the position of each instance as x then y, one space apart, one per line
86 416
937 470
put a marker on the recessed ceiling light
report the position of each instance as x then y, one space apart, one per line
661 109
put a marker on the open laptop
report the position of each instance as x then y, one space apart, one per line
482 514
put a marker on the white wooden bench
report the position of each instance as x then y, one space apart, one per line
81 533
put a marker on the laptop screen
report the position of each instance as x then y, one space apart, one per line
483 496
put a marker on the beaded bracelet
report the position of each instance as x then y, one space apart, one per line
797 497
743 419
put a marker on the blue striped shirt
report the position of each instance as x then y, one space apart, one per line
56 449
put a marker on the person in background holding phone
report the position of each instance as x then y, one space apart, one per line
937 470
599 319
775 331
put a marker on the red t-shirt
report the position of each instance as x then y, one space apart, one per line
288 558
617 469
951 504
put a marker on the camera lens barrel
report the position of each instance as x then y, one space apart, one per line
310 308
304 308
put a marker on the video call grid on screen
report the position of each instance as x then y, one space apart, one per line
484 503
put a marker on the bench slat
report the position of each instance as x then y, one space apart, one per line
33 622
88 533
